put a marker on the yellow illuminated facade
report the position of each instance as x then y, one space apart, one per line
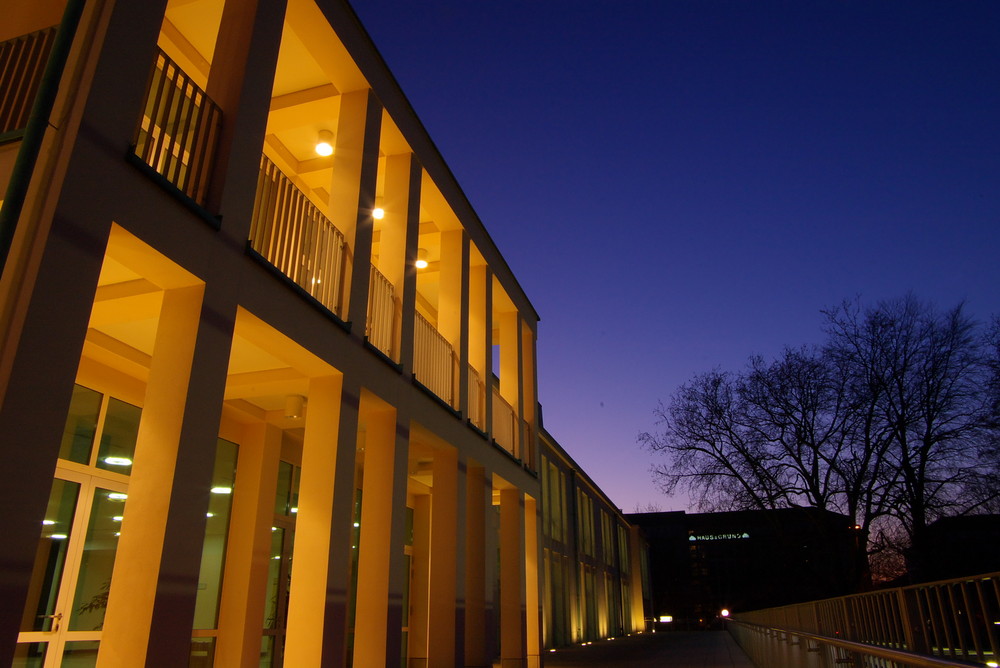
591 557
267 387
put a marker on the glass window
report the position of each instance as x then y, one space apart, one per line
80 654
118 437
81 425
50 559
213 551
98 561
286 499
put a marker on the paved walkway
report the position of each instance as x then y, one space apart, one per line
676 649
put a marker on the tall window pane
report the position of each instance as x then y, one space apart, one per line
81 425
213 551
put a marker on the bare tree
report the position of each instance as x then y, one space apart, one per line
893 422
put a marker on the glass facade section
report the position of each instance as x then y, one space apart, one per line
50 559
98 561
118 437
213 555
81 425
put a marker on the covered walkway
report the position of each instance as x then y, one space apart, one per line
681 649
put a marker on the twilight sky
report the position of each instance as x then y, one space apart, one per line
679 184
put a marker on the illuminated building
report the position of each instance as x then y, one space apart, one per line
247 427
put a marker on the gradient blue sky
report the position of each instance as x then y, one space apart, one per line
680 184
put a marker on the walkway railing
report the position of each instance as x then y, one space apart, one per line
953 619
504 423
291 233
770 646
381 312
178 129
477 399
22 61
433 360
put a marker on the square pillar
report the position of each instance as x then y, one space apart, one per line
154 584
352 193
378 618
477 502
513 633
444 559
317 599
244 586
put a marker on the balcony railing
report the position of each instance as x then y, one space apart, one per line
22 62
381 325
504 423
477 399
433 360
291 233
178 130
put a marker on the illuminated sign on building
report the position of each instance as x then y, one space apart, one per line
719 536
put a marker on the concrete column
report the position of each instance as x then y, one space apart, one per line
513 633
420 589
392 240
477 502
533 607
409 292
491 608
511 370
488 324
352 193
478 332
154 585
453 295
635 547
375 642
244 586
529 394
444 560
241 82
323 449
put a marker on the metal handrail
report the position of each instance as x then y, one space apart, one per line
896 656
381 322
178 129
22 62
954 618
293 235
433 359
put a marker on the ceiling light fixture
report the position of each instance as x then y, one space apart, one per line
378 213
295 405
421 262
324 143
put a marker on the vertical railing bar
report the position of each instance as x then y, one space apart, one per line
162 115
977 646
930 616
959 643
944 622
185 116
986 615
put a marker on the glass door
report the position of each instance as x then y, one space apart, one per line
64 614
68 596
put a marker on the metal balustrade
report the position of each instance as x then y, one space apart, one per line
952 619
433 360
504 423
178 129
22 63
381 324
771 646
291 233
477 399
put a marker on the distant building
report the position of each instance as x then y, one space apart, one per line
954 547
704 562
